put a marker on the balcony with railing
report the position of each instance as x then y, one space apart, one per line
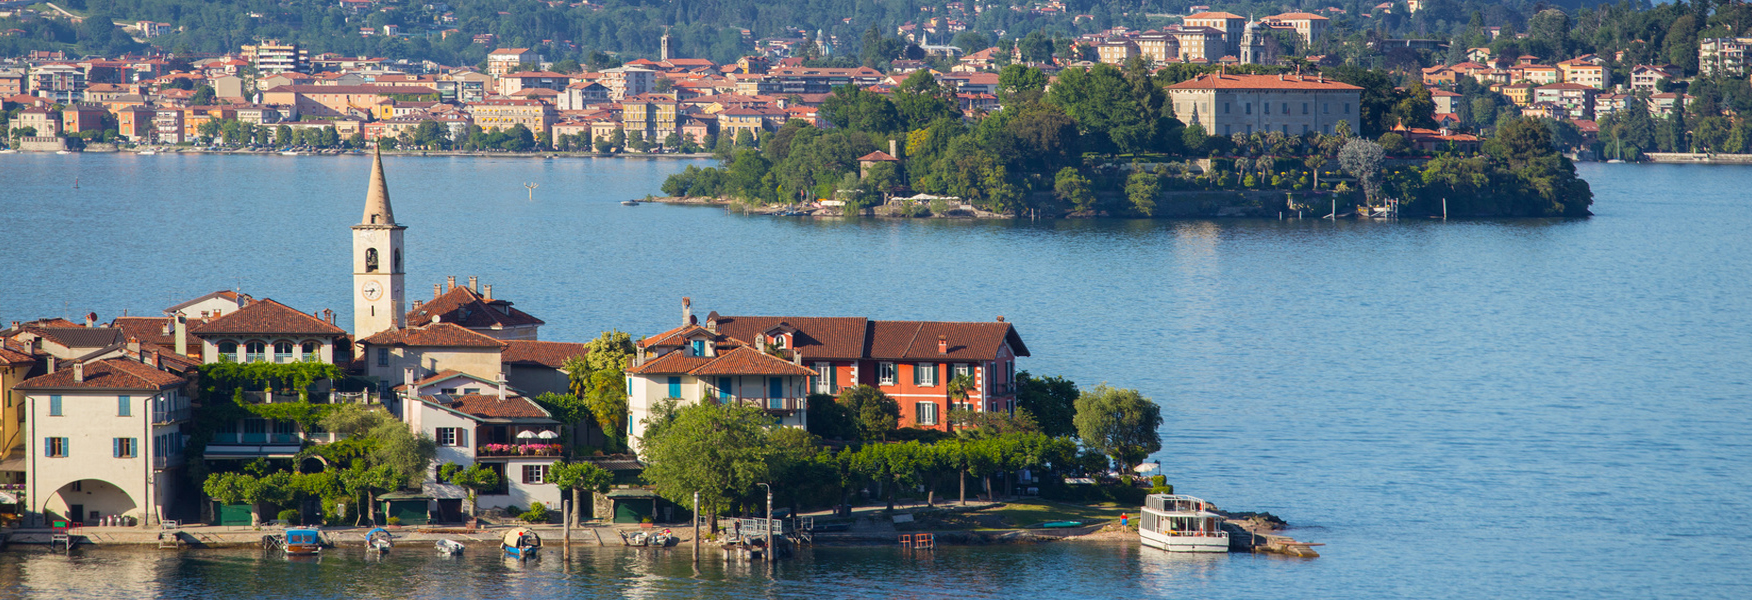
511 450
170 416
783 406
256 439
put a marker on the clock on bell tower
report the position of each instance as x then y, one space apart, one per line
377 261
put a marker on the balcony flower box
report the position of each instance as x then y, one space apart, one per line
518 450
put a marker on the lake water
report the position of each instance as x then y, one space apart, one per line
1531 408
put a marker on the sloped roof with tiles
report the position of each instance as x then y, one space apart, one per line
917 340
463 306
111 374
78 337
815 337
264 317
748 361
440 335
1215 81
493 407
546 354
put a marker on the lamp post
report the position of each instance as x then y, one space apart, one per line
769 521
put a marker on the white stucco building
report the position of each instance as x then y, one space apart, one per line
1226 104
105 440
480 421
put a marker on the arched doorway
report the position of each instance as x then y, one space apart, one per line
87 500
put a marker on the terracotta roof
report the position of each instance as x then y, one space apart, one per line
1212 81
78 337
815 337
225 294
1215 15
446 374
114 374
266 316
877 156
493 407
13 353
353 89
748 361
917 340
435 335
1296 16
673 362
147 330
547 354
462 306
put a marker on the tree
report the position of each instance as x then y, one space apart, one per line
832 420
877 414
1072 188
1363 159
577 477
1051 400
598 378
718 450
1142 188
475 478
1120 423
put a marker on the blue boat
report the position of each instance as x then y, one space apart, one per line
521 543
303 542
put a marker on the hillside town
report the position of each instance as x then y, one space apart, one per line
274 95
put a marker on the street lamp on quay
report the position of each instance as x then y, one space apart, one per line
769 521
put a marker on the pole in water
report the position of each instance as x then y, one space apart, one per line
1444 208
696 527
531 187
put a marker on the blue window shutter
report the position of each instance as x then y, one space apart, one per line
674 387
123 404
48 446
54 406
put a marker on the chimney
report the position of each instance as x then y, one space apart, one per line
52 363
712 325
943 344
79 372
489 293
418 303
155 362
474 284
796 357
450 283
408 380
134 345
1000 318
437 290
686 311
91 320
894 148
182 334
504 388
328 315
205 314
217 312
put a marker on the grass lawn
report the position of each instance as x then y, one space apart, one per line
1031 513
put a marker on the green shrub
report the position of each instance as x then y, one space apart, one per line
513 509
1159 480
291 515
395 520
538 513
1162 489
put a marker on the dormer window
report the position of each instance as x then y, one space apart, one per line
698 348
778 341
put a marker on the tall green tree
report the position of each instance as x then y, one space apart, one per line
1052 401
718 450
1120 423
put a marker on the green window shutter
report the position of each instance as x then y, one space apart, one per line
832 378
936 374
918 375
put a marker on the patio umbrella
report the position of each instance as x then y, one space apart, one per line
525 435
548 434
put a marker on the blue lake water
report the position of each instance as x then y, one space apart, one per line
1532 408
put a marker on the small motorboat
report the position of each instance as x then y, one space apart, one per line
302 542
1181 524
62 152
147 152
660 540
629 203
450 547
379 540
1061 524
521 543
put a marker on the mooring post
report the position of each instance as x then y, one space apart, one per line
696 527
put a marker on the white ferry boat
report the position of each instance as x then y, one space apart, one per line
1181 524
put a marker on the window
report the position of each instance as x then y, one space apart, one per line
395 264
963 370
1304 108
778 341
1225 108
448 391
967 406
1347 108
471 391
382 357
699 348
925 413
449 436
887 373
282 352
1248 106
725 389
370 260
312 351
674 387
126 447
124 406
55 447
925 374
54 406
228 350
1265 107
823 379
535 473
256 351
1325 108
1286 108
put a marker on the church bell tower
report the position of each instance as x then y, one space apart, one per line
377 261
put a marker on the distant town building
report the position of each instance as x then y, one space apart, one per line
1291 104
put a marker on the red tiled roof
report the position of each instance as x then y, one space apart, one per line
13 354
78 337
917 340
748 361
815 337
494 407
113 374
1215 15
877 156
146 330
1296 16
1212 81
547 354
463 306
447 335
354 89
673 362
266 316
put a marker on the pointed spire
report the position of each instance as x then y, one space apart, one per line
377 211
